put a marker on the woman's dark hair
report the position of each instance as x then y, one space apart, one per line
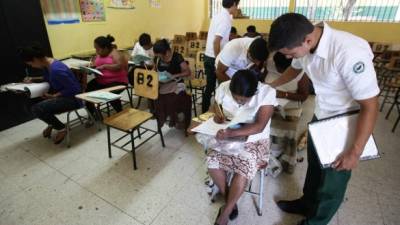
258 49
244 83
281 62
105 42
161 46
233 30
251 29
288 31
229 3
28 53
144 39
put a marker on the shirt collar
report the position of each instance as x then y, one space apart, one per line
323 45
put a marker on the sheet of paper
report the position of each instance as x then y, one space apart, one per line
209 127
35 89
92 70
75 63
333 136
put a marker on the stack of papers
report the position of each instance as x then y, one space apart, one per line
103 95
35 89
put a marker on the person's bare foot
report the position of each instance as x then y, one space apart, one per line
60 136
47 132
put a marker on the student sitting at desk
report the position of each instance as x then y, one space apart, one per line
172 97
63 88
114 67
290 96
144 47
243 93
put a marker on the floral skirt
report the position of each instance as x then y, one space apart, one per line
245 163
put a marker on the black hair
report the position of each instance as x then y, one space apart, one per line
105 42
258 49
144 39
28 53
233 30
281 62
251 29
244 83
161 46
229 3
288 31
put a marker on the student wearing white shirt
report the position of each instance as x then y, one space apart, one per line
218 36
285 120
340 66
243 96
241 53
144 47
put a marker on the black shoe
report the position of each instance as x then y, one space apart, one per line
234 214
296 207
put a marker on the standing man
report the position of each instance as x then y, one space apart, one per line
340 66
218 36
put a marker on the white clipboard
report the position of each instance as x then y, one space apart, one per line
331 136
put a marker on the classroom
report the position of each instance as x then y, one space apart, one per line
200 112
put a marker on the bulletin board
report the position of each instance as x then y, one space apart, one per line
92 10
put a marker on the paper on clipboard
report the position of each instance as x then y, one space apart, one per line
209 127
333 136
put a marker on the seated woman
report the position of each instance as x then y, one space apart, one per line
172 91
114 67
144 47
243 93
63 88
290 96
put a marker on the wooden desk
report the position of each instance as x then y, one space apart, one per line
86 98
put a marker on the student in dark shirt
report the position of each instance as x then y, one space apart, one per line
63 88
251 32
172 91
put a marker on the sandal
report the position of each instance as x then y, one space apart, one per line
60 136
47 132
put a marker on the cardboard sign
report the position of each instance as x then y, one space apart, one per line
191 36
180 48
146 83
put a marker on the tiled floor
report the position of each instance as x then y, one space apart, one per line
43 184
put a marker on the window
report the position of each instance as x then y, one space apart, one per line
255 9
350 10
329 10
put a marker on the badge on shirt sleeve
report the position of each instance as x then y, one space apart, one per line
359 67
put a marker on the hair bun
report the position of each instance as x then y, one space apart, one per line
110 38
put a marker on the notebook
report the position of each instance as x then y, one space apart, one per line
91 70
164 77
138 59
332 136
103 95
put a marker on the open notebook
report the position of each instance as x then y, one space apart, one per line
91 70
103 95
332 136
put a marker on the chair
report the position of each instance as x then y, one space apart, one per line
396 86
80 119
198 83
260 193
388 87
129 120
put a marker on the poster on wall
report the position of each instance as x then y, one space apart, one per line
155 3
59 12
92 10
121 4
